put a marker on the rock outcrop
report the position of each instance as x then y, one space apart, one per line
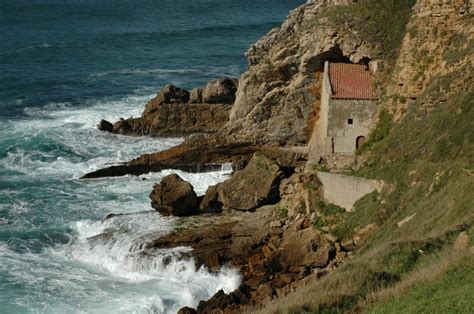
272 228
284 73
273 259
199 154
438 41
178 112
219 91
105 126
174 196
170 94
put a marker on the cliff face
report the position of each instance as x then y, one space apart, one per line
421 53
277 99
423 150
438 42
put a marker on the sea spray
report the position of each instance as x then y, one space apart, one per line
65 65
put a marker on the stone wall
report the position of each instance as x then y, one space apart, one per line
362 114
332 132
343 190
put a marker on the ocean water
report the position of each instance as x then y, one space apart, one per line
64 65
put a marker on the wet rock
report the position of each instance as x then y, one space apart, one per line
197 154
220 91
105 126
110 216
225 303
122 127
174 196
187 310
210 202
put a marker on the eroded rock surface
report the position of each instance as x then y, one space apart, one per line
219 91
174 196
200 154
178 112
247 189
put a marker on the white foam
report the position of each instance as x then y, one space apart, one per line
56 145
171 272
71 134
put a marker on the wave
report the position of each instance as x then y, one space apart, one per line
115 247
232 70
41 159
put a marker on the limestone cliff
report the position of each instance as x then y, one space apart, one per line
421 53
277 98
439 40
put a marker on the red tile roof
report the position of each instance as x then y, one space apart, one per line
350 81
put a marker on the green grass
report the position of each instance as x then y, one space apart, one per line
381 131
426 161
452 293
459 46
282 212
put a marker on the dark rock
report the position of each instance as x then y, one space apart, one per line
174 196
210 202
199 154
225 303
105 126
195 155
195 96
110 215
187 310
122 127
220 91
176 119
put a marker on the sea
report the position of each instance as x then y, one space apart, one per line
64 65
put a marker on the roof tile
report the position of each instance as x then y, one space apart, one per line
350 81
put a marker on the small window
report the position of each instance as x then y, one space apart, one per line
350 121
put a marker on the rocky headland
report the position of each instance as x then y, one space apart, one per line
270 219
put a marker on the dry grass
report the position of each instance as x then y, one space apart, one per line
424 158
423 275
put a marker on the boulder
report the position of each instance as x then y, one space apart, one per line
220 91
105 126
195 97
174 196
255 186
121 127
170 94
187 310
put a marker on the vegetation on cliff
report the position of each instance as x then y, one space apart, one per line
411 234
419 257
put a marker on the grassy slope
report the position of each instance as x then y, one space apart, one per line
427 159
452 292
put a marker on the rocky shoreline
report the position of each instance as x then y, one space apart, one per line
263 219
241 223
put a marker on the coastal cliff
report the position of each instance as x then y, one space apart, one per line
296 251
